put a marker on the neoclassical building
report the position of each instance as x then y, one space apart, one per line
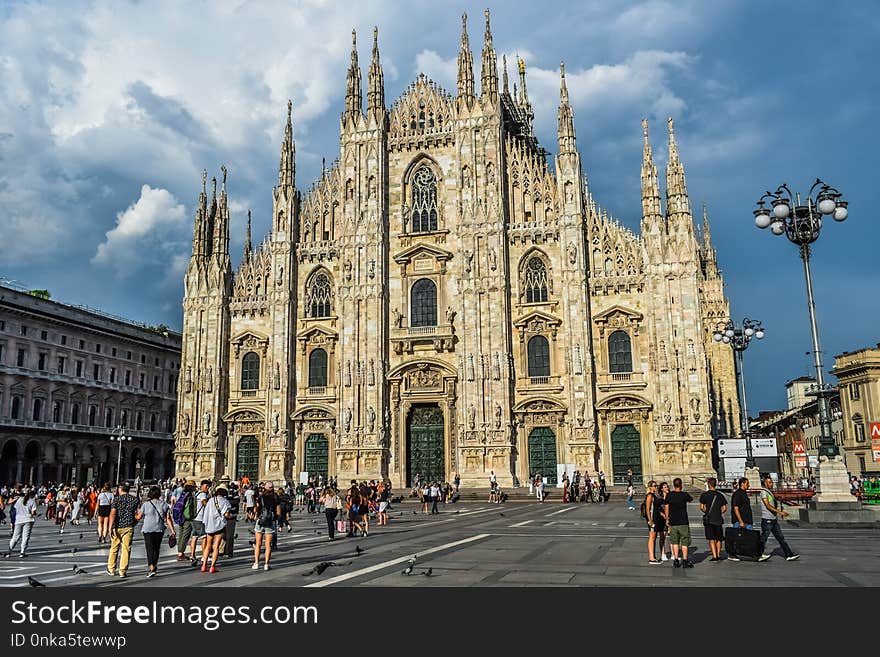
447 298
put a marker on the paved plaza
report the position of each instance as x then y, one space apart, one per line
468 544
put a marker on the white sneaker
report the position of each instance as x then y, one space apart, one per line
764 557
255 566
266 567
664 557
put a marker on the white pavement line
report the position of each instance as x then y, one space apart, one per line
523 523
394 562
621 524
556 513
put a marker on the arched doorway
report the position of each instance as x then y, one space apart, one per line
626 453
542 454
31 462
247 458
9 462
317 455
425 449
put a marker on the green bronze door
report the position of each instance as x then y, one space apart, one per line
542 454
626 453
247 458
425 448
316 455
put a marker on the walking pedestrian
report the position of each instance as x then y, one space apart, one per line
105 499
435 497
713 505
24 509
154 513
331 510
383 504
770 513
267 511
630 492
122 522
199 536
353 502
539 487
183 512
214 515
679 526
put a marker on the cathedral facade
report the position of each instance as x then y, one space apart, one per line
443 300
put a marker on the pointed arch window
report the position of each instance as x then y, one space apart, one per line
250 371
317 368
539 356
319 296
424 200
535 280
619 352
423 303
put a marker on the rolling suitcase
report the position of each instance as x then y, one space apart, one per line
743 543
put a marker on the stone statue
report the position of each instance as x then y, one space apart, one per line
450 315
347 420
186 423
498 412
279 275
496 367
371 418
695 408
493 260
347 267
275 419
398 318
581 410
472 417
209 379
468 259
572 253
667 411
207 423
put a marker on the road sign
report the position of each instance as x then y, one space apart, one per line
764 447
728 448
875 430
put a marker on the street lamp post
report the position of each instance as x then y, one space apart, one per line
801 222
121 437
739 337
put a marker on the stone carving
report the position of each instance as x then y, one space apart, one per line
572 253
472 417
580 413
209 380
667 411
207 422
346 419
348 374
493 260
275 421
470 367
186 423
371 269
276 378
279 275
347 268
590 428
468 260
398 318
371 418
695 408
450 315
189 378
371 373
424 377
496 366
498 412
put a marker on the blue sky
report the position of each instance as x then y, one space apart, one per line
110 110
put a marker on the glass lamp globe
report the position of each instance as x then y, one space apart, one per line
749 331
726 340
777 228
729 333
762 218
840 212
717 337
759 334
781 209
827 205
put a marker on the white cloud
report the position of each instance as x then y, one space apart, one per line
151 230
442 71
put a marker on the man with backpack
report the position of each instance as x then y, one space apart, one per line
182 513
713 505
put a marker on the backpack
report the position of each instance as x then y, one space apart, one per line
643 509
184 508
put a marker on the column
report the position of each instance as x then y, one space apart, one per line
18 466
39 478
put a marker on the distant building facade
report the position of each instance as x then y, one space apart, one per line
69 377
858 376
441 301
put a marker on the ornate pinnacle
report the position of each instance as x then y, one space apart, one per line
504 68
223 169
465 66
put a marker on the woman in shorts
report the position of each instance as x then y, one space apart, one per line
216 512
267 512
105 499
383 505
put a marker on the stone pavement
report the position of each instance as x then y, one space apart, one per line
468 544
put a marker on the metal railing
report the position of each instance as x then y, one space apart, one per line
422 330
539 380
317 390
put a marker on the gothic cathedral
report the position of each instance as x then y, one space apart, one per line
444 301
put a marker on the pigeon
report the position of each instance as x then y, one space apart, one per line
60 540
314 521
235 537
320 568
33 582
80 571
428 572
73 550
458 510
80 537
408 570
317 531
501 514
359 550
414 513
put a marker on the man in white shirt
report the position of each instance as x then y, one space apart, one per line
198 523
249 502
25 510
